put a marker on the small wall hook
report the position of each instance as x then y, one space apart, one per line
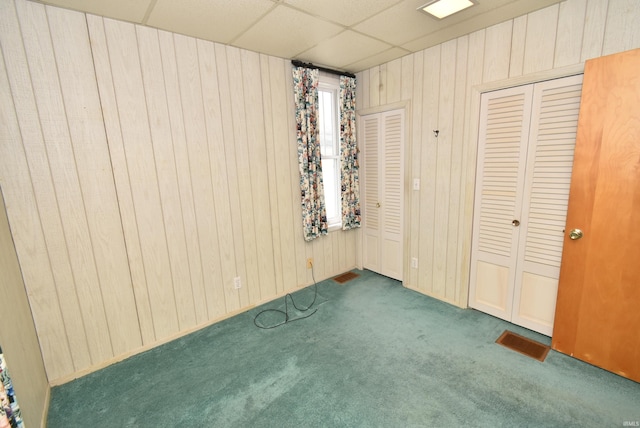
436 132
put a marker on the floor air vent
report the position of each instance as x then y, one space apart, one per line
523 345
341 279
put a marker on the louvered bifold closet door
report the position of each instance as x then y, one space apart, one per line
370 132
382 136
392 193
503 134
552 138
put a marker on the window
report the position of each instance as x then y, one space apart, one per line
328 123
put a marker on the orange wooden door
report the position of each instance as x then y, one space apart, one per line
598 308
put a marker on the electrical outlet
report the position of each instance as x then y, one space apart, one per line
414 262
309 263
237 282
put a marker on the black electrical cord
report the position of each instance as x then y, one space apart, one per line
286 308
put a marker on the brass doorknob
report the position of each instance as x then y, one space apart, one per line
516 223
378 205
575 234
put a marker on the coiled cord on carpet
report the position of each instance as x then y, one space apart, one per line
286 309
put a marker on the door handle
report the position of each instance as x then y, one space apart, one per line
575 234
516 223
378 205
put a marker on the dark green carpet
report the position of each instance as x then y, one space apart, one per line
374 355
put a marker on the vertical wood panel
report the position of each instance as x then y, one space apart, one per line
341 257
138 150
62 166
233 296
121 175
352 238
279 70
382 86
622 27
326 245
497 51
39 240
542 26
259 180
160 128
374 86
570 30
518 39
443 214
315 250
272 184
86 128
416 145
457 167
594 26
183 174
251 291
219 168
331 251
406 79
338 245
394 81
363 87
16 101
428 155
200 167
467 179
20 341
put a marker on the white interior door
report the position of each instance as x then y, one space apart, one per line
525 154
383 141
504 130
370 132
552 140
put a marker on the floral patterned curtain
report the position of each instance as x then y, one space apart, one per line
314 213
349 155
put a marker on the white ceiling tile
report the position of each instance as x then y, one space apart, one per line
219 20
483 15
342 34
345 48
285 32
381 58
125 10
399 24
345 12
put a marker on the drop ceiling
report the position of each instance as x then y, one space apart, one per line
348 35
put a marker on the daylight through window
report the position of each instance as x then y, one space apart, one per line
330 147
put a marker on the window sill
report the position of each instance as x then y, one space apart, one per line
334 227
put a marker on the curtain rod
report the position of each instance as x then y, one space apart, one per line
297 63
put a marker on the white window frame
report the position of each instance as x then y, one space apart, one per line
329 83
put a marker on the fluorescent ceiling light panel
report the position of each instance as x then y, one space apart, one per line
443 8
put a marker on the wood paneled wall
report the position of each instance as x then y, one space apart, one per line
440 88
18 337
144 170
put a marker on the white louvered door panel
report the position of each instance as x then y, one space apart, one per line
391 193
554 123
383 140
504 129
370 132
